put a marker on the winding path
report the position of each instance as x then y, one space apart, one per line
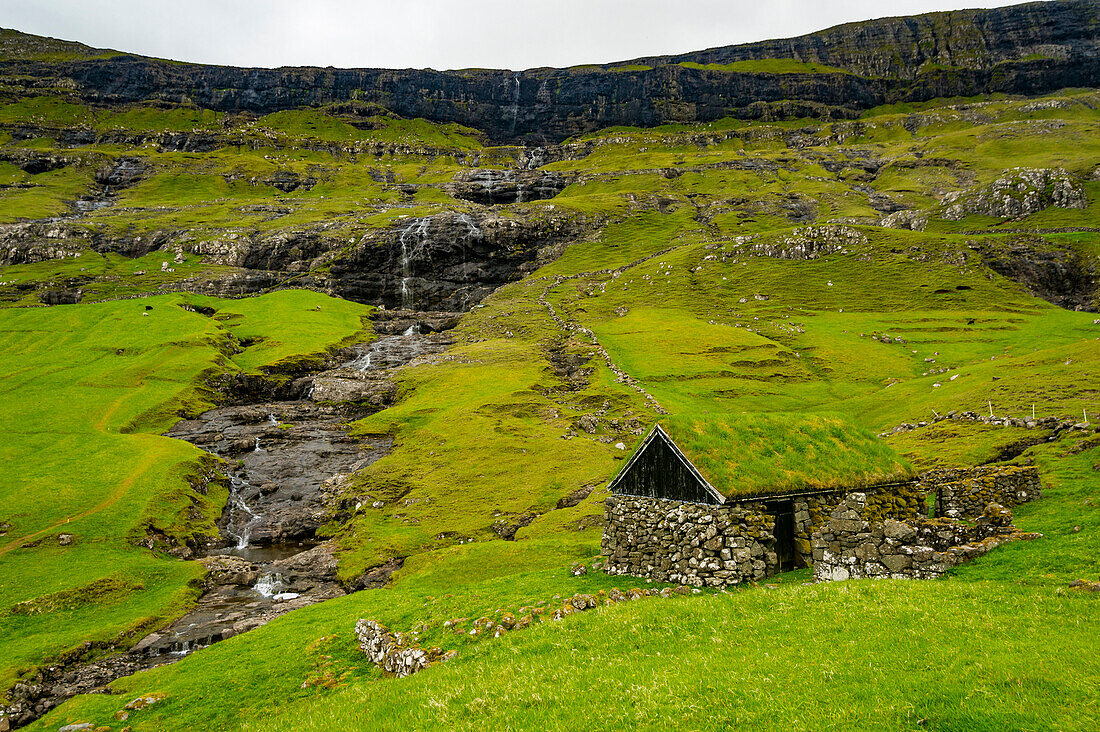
573 327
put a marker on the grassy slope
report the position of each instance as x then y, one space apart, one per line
1000 644
88 391
490 434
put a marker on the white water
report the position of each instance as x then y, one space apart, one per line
471 227
257 447
272 420
515 103
362 363
413 239
270 584
237 505
413 329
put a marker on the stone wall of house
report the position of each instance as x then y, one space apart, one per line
855 544
966 492
901 501
810 513
688 543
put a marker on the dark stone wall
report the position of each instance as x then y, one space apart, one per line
859 543
965 493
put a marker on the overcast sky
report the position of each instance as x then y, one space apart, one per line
440 34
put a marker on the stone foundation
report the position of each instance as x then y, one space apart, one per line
689 543
853 544
966 492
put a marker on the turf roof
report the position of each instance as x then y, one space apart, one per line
753 454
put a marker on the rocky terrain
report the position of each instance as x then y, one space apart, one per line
292 459
1031 48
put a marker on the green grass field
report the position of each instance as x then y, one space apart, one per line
685 276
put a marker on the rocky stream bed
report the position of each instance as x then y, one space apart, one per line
285 461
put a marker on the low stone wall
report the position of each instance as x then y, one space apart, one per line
394 652
688 543
852 544
966 492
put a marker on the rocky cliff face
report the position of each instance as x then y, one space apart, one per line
1028 49
903 47
448 261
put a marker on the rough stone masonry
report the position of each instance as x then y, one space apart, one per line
884 533
849 546
689 543
966 492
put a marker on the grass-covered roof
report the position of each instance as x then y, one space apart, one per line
751 454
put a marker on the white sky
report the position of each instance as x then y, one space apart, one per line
440 34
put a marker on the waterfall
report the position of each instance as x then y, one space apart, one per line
471 228
272 585
413 239
515 102
237 505
472 232
256 447
269 584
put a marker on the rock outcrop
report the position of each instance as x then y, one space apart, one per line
1059 275
1025 49
448 261
1018 192
491 187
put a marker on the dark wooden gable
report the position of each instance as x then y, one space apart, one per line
658 469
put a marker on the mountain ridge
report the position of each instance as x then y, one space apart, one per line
1023 49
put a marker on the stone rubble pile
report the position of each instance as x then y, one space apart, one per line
394 652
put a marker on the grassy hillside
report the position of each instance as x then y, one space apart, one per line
87 392
736 268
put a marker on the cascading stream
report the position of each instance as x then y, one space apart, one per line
238 507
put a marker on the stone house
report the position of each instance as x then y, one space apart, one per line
714 501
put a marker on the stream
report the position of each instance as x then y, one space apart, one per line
285 461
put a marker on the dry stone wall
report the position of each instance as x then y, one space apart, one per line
689 543
394 652
853 544
966 492
809 514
